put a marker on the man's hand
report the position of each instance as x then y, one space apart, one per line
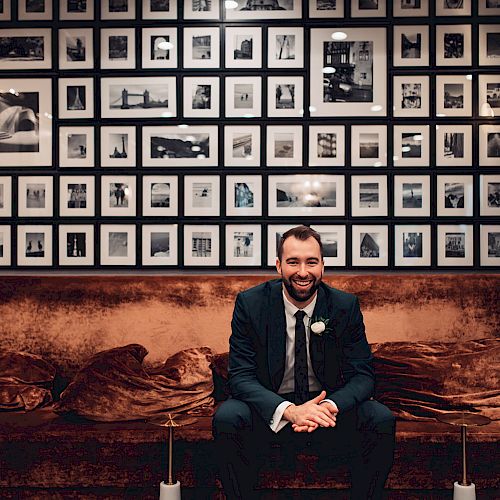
310 415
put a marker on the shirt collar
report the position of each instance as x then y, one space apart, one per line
292 309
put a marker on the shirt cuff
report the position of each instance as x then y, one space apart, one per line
329 401
277 421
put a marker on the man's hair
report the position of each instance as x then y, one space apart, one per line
302 233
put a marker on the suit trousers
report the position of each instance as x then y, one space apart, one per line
363 436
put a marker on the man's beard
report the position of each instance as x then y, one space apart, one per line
301 295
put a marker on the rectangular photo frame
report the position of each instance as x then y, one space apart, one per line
412 245
453 8
244 195
159 244
202 195
369 196
243 96
118 146
201 10
489 95
285 47
160 195
370 245
76 48
117 245
412 195
77 196
28 48
454 145
117 48
489 145
405 8
159 48
369 145
453 95
243 47
76 147
333 239
326 145
455 195
159 9
201 245
5 10
117 9
35 196
280 9
76 98
5 246
75 10
489 195
490 244
118 196
453 45
411 96
411 145
201 47
34 245
76 244
285 96
34 10
368 8
284 145
242 146
5 196
488 8
243 245
455 245
201 97
411 46
326 8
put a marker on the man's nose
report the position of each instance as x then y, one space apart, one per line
302 270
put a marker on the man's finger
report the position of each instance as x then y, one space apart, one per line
319 397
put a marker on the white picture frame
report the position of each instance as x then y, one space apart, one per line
242 146
285 47
196 10
489 244
118 146
76 48
34 245
285 9
76 244
110 13
326 145
284 145
366 8
370 247
25 14
486 10
274 233
76 97
412 196
160 196
453 45
5 246
333 239
453 8
117 48
489 195
118 196
369 196
201 97
489 145
81 12
453 95
489 41
201 47
243 96
411 96
6 196
319 9
76 196
285 96
411 46
118 244
201 245
403 8
455 245
369 145
163 11
35 196
412 245
489 92
243 47
201 195
39 58
244 195
159 245
5 14
454 145
243 245
76 147
154 54
411 146
455 195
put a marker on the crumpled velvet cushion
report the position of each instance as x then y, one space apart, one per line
114 385
25 381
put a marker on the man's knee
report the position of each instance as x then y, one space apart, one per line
375 416
231 416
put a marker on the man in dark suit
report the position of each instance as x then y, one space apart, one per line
300 374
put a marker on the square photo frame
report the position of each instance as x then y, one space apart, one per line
76 244
453 95
201 9
306 195
34 10
369 145
5 246
282 9
77 196
201 97
243 245
490 244
5 10
489 95
370 246
411 46
411 145
171 146
489 195
326 145
159 244
455 195
243 47
244 195
118 146
284 145
5 196
332 93
412 245
454 145
201 245
118 244
368 8
159 9
201 47
159 48
285 47
453 45
34 245
412 195
488 7
201 195
411 96
455 245
76 147
326 8
453 8
117 48
35 196
160 195
76 97
369 196
274 234
242 146
117 9
118 195
489 145
76 48
243 96
76 10
405 8
28 48
333 239
285 96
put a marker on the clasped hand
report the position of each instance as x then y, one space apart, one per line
309 416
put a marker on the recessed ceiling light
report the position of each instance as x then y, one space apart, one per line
339 35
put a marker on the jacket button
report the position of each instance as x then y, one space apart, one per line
271 421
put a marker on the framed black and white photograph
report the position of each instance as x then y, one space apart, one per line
348 78
201 9
5 10
411 96
76 147
159 48
118 195
488 7
411 146
489 44
453 95
411 46
489 145
34 245
5 246
489 195
117 9
412 195
370 245
118 146
410 8
243 96
285 96
285 47
489 95
159 9
171 146
275 9
159 244
76 97
117 48
306 194
34 10
118 243
243 245
244 195
412 245
242 146
201 47
455 245
274 234
76 244
35 196
76 10
454 145
369 145
76 48
326 145
28 48
453 7
201 195
5 196
160 195
243 47
453 45
138 97
333 239
369 195
490 244
201 97
455 195
284 145
26 139
326 8
201 245
77 196
368 8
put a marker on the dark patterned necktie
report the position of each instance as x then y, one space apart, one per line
300 365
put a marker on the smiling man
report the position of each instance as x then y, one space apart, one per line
301 375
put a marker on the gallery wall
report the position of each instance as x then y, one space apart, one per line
168 134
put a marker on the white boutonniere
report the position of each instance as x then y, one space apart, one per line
319 326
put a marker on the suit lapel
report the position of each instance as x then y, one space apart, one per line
276 335
317 342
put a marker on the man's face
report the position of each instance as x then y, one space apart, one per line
301 268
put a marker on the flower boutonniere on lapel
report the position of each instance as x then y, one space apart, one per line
319 326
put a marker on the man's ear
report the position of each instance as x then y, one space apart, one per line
278 266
